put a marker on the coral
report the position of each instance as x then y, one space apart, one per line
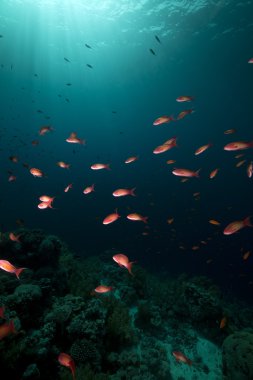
237 356
32 372
84 351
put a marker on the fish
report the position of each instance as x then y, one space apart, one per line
250 169
213 173
131 159
68 84
111 218
167 145
214 222
14 237
229 131
180 357
246 255
237 226
2 310
45 129
157 39
74 139
169 162
137 217
88 46
223 322
123 261
184 98
63 165
100 166
7 328
185 173
67 361
88 65
37 172
68 187
238 145
163 119
250 60
182 114
66 59
152 51
170 220
202 149
103 289
12 178
124 192
89 189
13 159
8 267
240 163
46 202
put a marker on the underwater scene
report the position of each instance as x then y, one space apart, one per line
126 183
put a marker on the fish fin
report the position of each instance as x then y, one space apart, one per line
129 267
247 222
18 271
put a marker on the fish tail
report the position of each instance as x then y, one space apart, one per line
129 267
12 327
18 271
196 174
132 191
145 219
247 222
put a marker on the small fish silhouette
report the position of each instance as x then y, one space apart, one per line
152 51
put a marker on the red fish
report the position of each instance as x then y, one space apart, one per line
68 187
13 159
8 267
100 166
103 289
185 173
180 357
37 172
67 361
89 189
182 114
45 129
131 159
250 170
184 98
63 165
202 149
124 192
123 261
167 145
46 202
213 173
229 131
163 119
137 217
74 139
250 60
237 226
111 217
238 145
7 328
14 237
12 178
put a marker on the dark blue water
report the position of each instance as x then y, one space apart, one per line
204 52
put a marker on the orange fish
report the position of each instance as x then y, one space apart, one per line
214 222
124 192
123 261
195 248
223 322
250 170
74 139
45 129
103 289
237 226
37 172
35 142
100 166
163 119
238 145
170 162
180 357
67 361
202 149
14 237
137 217
89 189
68 187
182 114
63 165
185 173
184 98
167 145
131 159
111 217
239 155
46 201
7 328
240 163
213 173
246 255
170 221
8 267
250 60
229 131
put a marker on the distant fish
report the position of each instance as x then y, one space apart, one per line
157 39
68 84
249 61
88 46
39 111
152 51
114 111
35 75
66 59
88 65
67 100
1 36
